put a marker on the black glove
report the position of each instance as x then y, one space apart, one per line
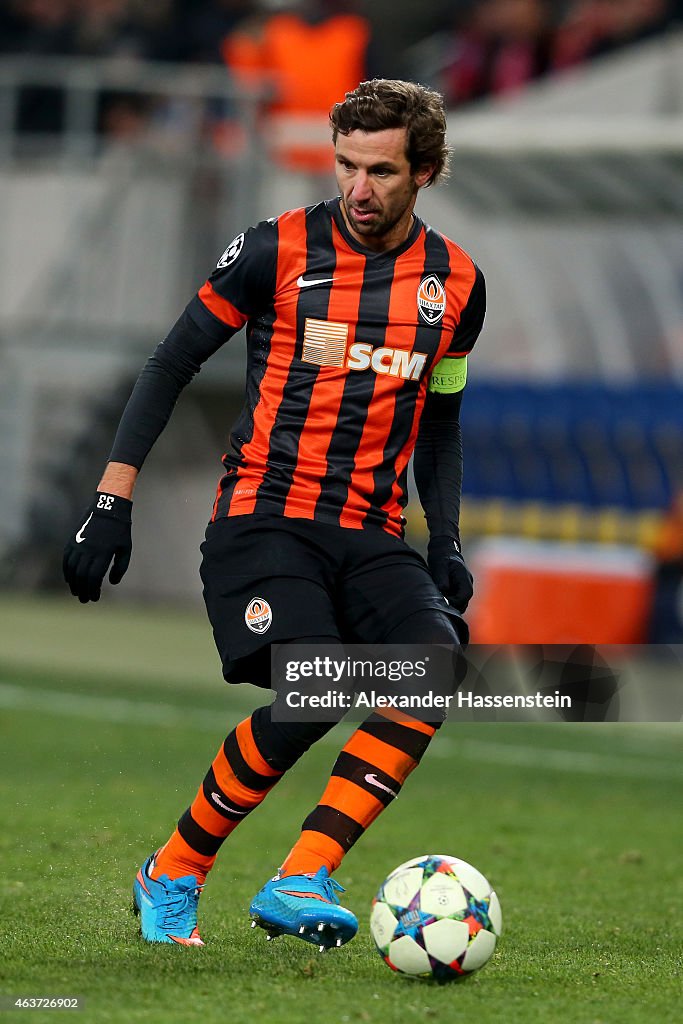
104 533
449 571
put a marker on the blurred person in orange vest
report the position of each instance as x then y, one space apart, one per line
302 58
666 619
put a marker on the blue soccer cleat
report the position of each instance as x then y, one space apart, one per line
304 906
167 909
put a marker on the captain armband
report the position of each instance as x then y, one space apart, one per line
449 376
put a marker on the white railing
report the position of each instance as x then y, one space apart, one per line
84 81
103 240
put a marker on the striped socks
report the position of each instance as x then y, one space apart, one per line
237 781
367 776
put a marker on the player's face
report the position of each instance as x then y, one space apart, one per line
378 188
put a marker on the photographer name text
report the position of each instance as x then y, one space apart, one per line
428 699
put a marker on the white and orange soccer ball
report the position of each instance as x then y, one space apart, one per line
436 917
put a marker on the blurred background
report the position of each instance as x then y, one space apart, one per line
137 138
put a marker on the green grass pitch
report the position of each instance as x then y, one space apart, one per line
109 720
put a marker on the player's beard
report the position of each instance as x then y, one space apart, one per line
388 217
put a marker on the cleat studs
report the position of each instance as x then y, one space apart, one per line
269 937
321 926
338 942
253 924
302 929
321 949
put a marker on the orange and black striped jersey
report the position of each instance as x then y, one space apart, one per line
341 347
341 344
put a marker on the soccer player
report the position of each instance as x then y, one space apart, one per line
359 320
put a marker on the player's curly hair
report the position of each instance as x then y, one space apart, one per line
390 103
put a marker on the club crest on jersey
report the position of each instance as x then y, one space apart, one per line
258 615
431 299
231 253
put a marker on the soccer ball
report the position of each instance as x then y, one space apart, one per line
436 917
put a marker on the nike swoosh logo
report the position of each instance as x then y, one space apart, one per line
374 781
79 536
302 282
304 895
233 810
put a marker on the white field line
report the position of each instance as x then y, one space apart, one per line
118 710
554 759
121 711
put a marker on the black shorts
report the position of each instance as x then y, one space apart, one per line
269 579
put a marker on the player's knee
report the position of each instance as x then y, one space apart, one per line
281 744
447 635
430 626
